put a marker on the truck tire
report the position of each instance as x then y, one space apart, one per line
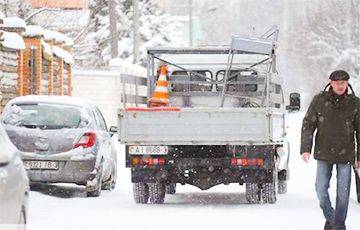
282 186
268 190
171 188
252 193
141 193
156 192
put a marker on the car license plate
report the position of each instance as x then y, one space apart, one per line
52 165
148 150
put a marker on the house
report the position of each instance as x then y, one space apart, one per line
63 4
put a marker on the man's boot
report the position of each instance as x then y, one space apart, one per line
329 225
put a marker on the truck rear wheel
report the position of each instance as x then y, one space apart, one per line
268 190
252 193
156 192
141 193
282 186
171 188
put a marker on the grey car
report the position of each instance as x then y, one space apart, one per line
63 140
14 186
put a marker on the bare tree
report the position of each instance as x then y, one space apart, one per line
329 39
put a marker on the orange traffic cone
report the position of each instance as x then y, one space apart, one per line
160 97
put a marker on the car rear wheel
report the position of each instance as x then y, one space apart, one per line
111 183
93 188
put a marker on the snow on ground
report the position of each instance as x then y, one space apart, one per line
66 206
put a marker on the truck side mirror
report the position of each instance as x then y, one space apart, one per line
113 130
294 102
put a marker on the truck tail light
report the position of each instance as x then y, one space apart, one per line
247 162
87 140
150 161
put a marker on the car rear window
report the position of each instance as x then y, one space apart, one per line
44 116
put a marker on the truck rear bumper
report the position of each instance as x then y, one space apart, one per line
203 177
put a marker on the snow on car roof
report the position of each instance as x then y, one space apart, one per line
65 100
14 22
12 40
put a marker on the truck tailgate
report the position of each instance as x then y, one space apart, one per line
200 126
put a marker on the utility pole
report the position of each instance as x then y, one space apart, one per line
114 39
5 4
136 31
190 24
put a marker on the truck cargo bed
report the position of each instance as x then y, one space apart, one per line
201 126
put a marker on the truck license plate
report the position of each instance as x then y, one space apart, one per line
52 165
148 150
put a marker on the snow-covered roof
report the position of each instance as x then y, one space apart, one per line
12 40
69 41
46 47
48 35
33 31
67 100
14 22
63 54
58 37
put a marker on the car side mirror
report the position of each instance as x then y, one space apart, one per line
295 102
113 130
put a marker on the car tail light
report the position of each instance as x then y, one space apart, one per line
87 140
247 162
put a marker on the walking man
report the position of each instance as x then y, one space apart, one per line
335 115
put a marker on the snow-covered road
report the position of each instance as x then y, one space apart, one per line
66 206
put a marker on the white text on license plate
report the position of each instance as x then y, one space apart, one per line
53 165
148 150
